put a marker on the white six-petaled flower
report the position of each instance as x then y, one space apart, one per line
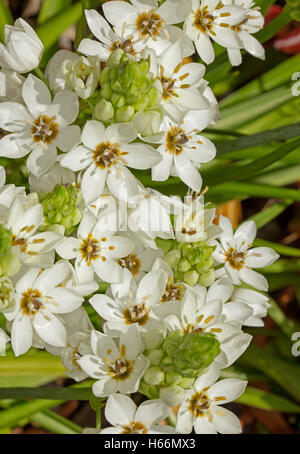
115 367
40 126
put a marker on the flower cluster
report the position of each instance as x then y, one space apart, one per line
180 288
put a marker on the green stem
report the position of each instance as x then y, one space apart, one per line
81 26
41 76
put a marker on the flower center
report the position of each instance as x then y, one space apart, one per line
168 87
44 129
149 24
126 46
235 259
90 249
203 20
176 138
134 428
172 292
132 263
199 403
106 154
136 314
120 369
30 301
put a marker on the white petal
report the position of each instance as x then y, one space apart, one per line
92 184
244 235
122 183
77 159
105 387
203 426
254 279
108 270
93 134
68 138
120 410
152 287
122 133
175 11
21 334
140 156
230 388
205 48
187 172
152 412
261 256
117 247
50 329
92 48
98 25
41 160
36 95
132 341
52 277
207 379
69 248
66 300
67 105
161 171
91 366
252 45
119 12
224 421
106 307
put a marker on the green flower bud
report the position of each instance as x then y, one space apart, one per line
130 87
9 265
192 263
154 376
186 383
61 207
155 357
189 354
171 395
151 391
104 111
7 295
124 114
153 339
173 378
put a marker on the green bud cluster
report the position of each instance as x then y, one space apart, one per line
192 263
61 210
127 88
177 361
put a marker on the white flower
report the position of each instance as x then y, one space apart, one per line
150 214
109 39
126 418
195 223
105 153
28 245
199 315
96 250
78 345
143 20
39 127
47 182
181 84
256 302
183 150
115 368
67 70
234 250
11 84
7 295
131 304
23 49
39 297
201 406
252 23
211 19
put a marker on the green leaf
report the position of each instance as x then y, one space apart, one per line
5 18
262 138
242 113
266 401
283 265
50 31
267 215
47 393
285 374
273 27
50 8
279 281
286 324
55 423
33 369
248 170
280 248
241 189
274 78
